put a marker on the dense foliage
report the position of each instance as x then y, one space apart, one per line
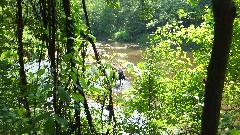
69 90
127 21
170 81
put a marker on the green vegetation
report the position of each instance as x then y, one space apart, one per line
52 80
171 82
134 20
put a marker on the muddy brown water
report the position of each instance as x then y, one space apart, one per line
119 52
122 51
130 52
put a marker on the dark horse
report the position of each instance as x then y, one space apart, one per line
121 76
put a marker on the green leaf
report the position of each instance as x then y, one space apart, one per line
188 107
94 68
47 87
98 90
40 72
49 126
63 94
21 111
78 86
73 76
235 132
67 57
28 130
77 97
111 75
116 75
40 117
3 54
5 108
62 72
83 83
46 31
74 70
62 121
2 3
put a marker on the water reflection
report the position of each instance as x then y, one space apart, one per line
122 51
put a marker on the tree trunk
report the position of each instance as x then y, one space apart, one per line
70 49
22 74
224 13
51 54
89 29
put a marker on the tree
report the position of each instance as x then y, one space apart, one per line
23 83
223 30
51 84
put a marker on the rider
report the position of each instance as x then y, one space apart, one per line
121 75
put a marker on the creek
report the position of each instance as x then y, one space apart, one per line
118 52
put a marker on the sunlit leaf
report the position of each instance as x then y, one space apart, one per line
74 70
97 89
40 72
83 83
21 111
77 97
234 132
73 76
94 68
111 75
